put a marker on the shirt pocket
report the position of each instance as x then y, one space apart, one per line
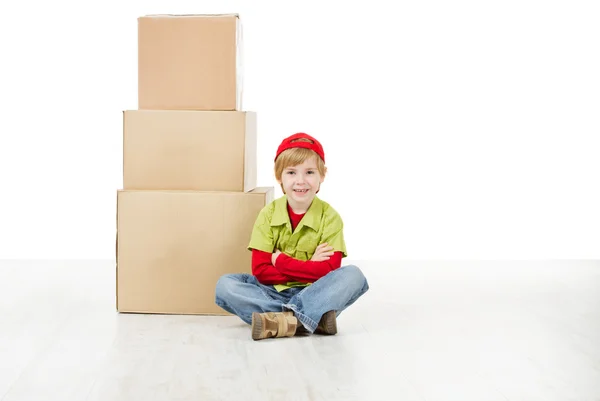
305 249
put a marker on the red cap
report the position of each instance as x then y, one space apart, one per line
315 146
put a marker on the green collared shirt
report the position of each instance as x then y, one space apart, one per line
273 230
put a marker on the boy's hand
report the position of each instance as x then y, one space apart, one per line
274 256
323 252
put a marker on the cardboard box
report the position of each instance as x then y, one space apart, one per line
172 247
189 150
190 62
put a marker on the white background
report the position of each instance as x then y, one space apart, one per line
452 130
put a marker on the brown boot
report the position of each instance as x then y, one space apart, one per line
273 324
327 324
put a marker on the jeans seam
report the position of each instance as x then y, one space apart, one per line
306 321
264 292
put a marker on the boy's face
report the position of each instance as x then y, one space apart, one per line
301 183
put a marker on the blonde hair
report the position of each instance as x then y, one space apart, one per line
295 156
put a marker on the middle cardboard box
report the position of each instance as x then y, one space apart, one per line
189 150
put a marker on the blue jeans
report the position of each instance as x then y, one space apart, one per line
242 294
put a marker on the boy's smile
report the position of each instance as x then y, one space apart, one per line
301 183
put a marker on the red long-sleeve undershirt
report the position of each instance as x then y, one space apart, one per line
288 268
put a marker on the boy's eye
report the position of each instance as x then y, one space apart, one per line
311 172
290 172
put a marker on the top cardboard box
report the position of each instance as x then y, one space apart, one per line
189 62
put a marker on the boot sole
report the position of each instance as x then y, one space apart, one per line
257 326
330 324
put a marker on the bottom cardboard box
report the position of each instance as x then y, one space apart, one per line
172 247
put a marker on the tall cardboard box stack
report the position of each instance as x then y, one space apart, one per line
189 198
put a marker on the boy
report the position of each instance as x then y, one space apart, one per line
297 285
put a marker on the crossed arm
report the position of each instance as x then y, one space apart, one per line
279 268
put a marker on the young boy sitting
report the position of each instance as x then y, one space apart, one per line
297 285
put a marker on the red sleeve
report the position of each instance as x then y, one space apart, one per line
264 271
307 271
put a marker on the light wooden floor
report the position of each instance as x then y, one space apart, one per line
425 331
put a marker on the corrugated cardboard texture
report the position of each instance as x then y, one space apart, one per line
172 247
189 62
189 150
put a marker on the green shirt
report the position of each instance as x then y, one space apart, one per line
273 230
